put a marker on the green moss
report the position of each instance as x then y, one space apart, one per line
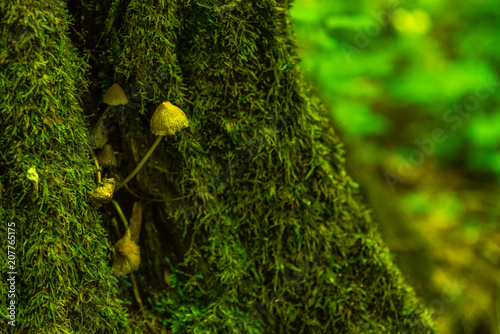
147 57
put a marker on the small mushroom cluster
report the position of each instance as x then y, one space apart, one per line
115 96
167 120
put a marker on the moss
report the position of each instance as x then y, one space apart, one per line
64 284
147 59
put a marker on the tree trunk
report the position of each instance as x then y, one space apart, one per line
248 222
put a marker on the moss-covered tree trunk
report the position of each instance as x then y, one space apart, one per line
249 221
59 249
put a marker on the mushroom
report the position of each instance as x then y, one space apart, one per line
106 156
127 257
104 192
114 96
167 120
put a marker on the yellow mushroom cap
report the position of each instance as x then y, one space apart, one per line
103 193
127 257
115 96
168 120
106 156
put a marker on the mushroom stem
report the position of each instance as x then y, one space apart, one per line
122 216
139 166
101 117
104 114
98 171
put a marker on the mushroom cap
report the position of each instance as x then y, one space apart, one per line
168 120
103 193
127 257
115 96
106 156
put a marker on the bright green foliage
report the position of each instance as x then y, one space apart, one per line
392 73
397 63
64 283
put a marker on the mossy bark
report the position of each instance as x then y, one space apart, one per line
250 223
64 283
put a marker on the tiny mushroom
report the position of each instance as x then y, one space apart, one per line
114 96
106 156
103 193
127 256
167 120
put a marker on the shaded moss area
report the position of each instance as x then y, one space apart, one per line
251 224
61 247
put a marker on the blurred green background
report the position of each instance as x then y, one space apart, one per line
413 88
